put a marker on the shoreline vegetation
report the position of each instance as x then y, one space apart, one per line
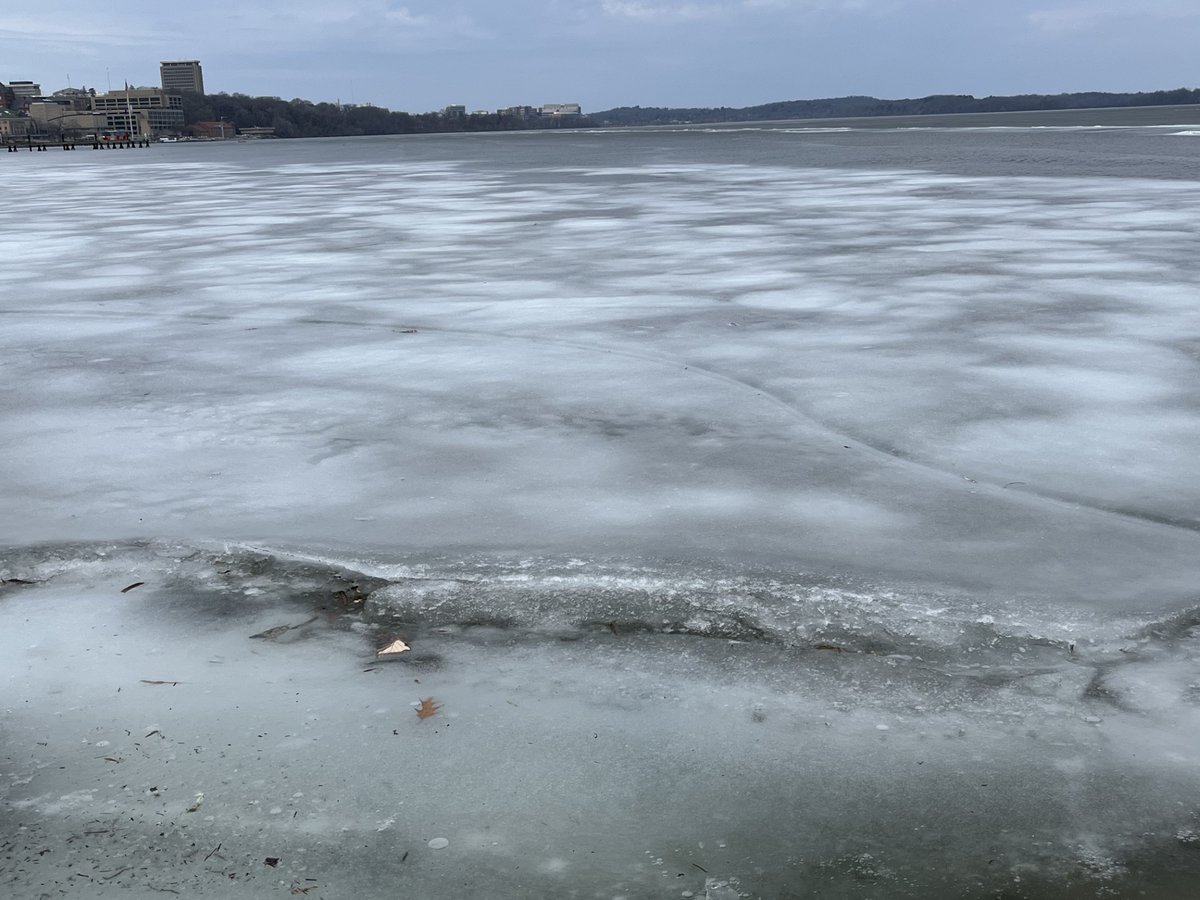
304 118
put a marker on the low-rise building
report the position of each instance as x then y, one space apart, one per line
561 109
23 92
14 126
137 123
213 131
143 111
65 116
80 98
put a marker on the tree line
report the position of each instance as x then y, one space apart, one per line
853 107
303 118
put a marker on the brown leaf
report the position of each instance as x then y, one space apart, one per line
834 647
427 708
150 681
392 649
136 584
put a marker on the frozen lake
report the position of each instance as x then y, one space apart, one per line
772 511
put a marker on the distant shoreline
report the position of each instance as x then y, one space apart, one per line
303 118
1112 116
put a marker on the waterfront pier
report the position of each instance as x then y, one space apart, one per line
33 143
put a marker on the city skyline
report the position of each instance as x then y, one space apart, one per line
604 53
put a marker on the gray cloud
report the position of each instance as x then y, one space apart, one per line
1086 16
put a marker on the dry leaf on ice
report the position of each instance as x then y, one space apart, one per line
393 648
427 708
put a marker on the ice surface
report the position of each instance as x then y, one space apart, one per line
751 507
570 756
662 360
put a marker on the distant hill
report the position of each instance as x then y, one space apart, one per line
853 107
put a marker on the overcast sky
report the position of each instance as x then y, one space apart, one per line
419 55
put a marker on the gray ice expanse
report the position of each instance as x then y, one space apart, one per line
773 511
986 383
